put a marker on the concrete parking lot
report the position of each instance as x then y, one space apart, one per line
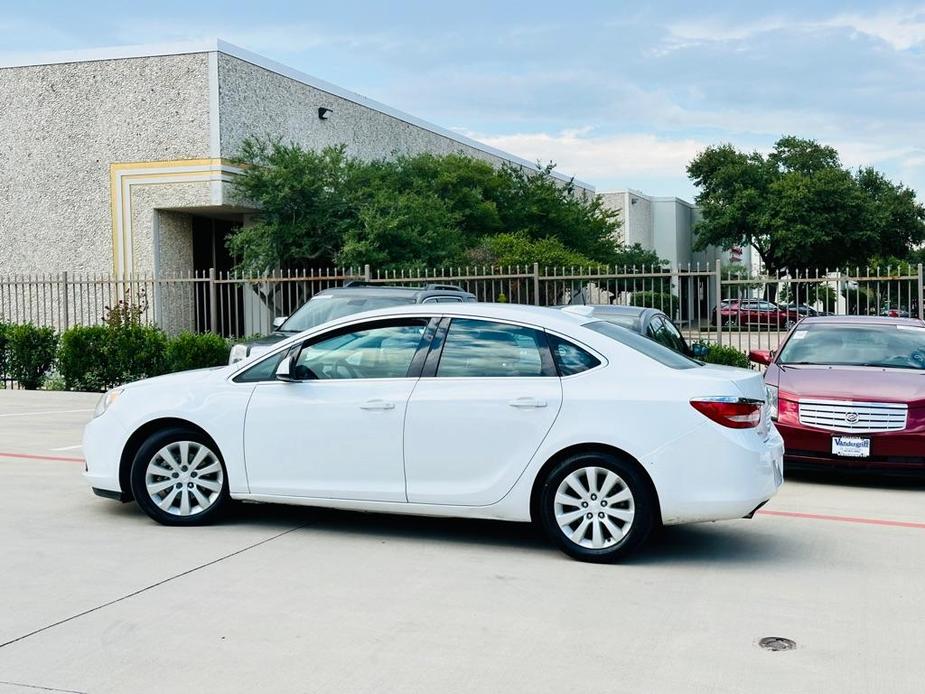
94 597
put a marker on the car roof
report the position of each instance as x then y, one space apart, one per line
861 320
392 290
539 316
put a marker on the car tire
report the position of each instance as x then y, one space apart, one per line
597 507
178 477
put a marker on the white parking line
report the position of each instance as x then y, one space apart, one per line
67 448
29 414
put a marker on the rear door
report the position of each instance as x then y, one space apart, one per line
488 397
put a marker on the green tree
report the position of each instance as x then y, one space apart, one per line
800 207
320 208
304 208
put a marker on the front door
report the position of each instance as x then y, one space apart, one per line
336 432
474 425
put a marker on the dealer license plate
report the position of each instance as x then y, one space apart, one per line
851 446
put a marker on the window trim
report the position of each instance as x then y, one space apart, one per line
547 362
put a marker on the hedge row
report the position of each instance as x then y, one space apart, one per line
98 357
725 355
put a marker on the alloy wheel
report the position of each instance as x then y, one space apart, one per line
594 507
184 478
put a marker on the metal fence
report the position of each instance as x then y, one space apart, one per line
727 306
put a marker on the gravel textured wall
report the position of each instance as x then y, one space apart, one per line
60 128
255 101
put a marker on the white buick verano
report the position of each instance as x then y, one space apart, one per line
473 410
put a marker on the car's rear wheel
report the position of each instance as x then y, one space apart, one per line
179 478
597 507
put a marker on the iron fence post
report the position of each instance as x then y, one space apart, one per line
921 293
718 289
536 283
213 302
67 317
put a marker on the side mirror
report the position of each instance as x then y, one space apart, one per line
699 350
285 368
760 356
278 322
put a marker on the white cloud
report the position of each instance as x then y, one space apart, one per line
605 157
902 29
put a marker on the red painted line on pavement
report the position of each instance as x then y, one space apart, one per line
30 456
844 519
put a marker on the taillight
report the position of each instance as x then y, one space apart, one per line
735 413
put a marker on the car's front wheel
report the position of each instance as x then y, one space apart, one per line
597 507
178 478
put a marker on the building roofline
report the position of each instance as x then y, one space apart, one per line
650 198
220 46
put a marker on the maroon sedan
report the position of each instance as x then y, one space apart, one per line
849 391
739 312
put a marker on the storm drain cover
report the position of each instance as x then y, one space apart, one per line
777 643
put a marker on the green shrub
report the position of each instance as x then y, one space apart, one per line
725 355
136 352
196 351
663 301
83 358
4 352
31 353
98 357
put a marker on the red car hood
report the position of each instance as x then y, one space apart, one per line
859 383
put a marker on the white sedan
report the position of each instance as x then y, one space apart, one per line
473 410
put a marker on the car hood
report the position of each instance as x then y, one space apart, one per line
180 377
859 383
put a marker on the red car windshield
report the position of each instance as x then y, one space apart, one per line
885 346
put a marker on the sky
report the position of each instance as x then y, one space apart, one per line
618 94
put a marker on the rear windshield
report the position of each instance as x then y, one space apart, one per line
885 346
650 348
325 307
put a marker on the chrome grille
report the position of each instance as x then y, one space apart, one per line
858 417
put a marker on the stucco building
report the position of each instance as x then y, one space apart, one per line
666 225
119 160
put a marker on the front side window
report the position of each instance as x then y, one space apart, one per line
370 351
477 348
262 371
666 334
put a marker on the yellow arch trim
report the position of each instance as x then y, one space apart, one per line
120 179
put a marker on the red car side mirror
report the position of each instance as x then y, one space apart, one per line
760 356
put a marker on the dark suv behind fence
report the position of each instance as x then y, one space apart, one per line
353 297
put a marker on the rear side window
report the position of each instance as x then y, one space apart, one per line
648 347
570 358
477 348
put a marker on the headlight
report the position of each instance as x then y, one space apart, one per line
109 397
238 353
772 401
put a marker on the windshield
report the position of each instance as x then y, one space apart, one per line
650 348
894 346
325 307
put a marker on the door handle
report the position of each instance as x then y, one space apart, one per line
377 405
527 402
